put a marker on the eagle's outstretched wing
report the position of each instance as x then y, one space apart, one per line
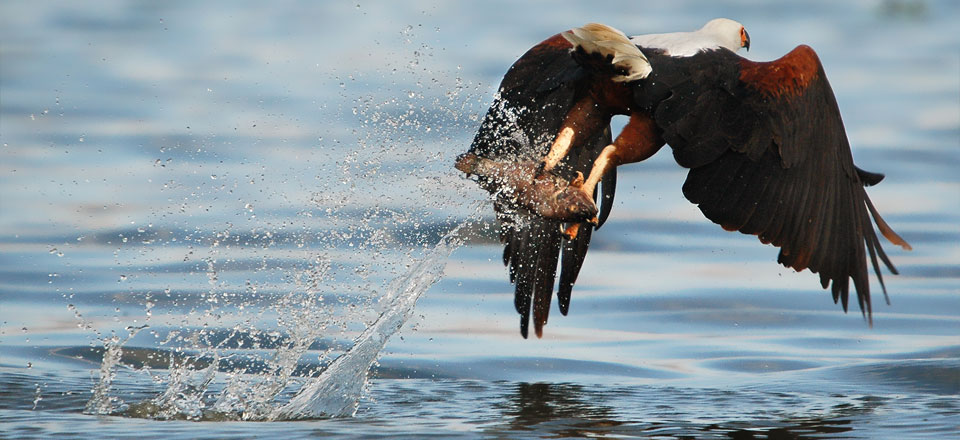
768 155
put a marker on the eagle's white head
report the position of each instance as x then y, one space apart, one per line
728 33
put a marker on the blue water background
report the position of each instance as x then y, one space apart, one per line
159 157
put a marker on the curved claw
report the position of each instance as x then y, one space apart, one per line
577 182
571 231
541 170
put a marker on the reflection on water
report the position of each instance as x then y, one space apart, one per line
561 409
236 188
569 410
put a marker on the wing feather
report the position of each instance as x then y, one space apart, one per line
535 95
574 252
768 155
608 188
546 268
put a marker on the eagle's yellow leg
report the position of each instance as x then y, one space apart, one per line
637 141
581 122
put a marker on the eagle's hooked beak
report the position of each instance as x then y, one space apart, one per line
744 39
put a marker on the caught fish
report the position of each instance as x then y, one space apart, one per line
522 184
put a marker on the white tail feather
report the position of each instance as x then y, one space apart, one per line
604 40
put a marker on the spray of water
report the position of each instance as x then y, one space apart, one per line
303 268
337 391
334 393
102 402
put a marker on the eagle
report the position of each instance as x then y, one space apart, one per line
764 144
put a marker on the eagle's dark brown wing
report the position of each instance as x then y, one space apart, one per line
768 155
534 97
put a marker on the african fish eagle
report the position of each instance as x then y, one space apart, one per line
763 141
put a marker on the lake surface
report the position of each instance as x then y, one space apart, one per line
203 204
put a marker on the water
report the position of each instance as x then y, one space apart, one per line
335 393
206 208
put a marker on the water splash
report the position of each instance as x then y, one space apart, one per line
102 402
337 391
190 384
294 268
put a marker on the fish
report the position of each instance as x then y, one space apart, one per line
523 184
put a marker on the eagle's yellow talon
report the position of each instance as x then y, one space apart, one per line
577 182
572 231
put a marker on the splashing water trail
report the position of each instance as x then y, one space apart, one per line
254 278
190 386
337 391
102 402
